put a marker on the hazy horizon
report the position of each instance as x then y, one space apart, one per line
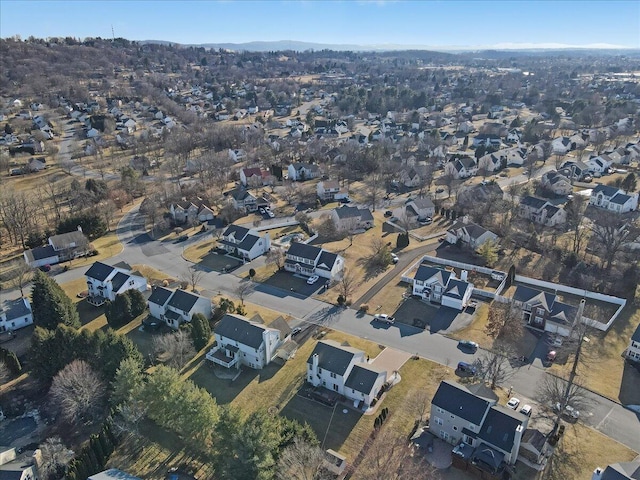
451 25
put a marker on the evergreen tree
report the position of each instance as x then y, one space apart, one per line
138 303
127 382
200 331
50 305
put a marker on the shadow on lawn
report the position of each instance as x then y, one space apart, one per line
629 391
332 432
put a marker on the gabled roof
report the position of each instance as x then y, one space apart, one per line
240 330
118 280
499 427
160 295
622 471
327 260
303 250
63 240
422 203
535 438
333 357
363 377
459 401
456 288
183 300
15 308
636 335
425 272
99 271
282 326
620 199
563 313
347 212
533 202
606 190
249 172
248 242
237 231
39 253
534 297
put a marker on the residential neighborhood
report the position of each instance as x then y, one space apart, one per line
224 261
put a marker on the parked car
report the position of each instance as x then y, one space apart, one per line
569 411
551 356
383 317
270 214
45 268
262 210
439 190
394 258
388 213
425 220
295 331
312 279
513 403
465 367
526 410
345 200
468 345
183 238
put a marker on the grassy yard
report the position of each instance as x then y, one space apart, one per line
602 355
390 297
92 318
151 274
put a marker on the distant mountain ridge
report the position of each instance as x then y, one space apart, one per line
295 45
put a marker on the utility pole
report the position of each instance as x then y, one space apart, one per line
574 368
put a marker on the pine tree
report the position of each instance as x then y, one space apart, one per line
200 331
138 303
50 305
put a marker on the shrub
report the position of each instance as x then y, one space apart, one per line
364 308
341 300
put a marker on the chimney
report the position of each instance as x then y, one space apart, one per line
463 275
79 228
314 366
465 219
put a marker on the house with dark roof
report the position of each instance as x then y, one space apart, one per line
104 282
175 307
299 172
244 243
310 260
16 466
41 256
241 341
463 167
534 449
618 471
442 286
350 219
543 311
633 351
493 431
414 209
487 140
469 233
242 199
60 248
556 183
15 314
541 211
345 370
613 199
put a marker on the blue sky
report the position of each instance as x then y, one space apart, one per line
364 22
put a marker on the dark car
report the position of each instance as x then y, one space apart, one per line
45 268
388 213
468 345
183 238
464 367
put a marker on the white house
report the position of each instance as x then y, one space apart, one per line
561 145
303 171
345 370
443 287
350 219
41 256
113 474
244 243
237 155
240 341
513 136
414 209
599 164
469 233
633 351
618 471
104 282
175 307
487 140
60 248
329 190
311 260
16 466
556 183
191 211
541 211
242 199
613 199
15 314
464 167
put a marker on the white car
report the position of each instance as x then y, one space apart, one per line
513 403
312 279
394 258
262 210
270 214
383 317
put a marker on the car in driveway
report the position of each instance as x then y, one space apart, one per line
394 258
466 368
270 214
526 410
468 345
513 403
262 210
551 357
295 331
388 213
383 317
182 238
425 220
312 279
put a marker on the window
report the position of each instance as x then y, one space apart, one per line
455 429
324 384
444 435
453 417
440 410
320 371
335 387
438 421
333 375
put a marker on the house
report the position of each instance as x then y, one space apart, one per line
350 219
534 449
254 177
60 248
543 310
37 164
311 260
541 211
175 307
344 369
240 341
494 432
41 256
443 287
191 211
491 162
463 167
613 199
633 351
15 466
241 199
104 282
556 183
15 314
618 471
415 208
299 172
513 136
481 193
329 190
575 170
236 155
244 243
599 164
414 176
562 145
113 474
469 233
487 140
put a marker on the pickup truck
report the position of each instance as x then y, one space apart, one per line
383 317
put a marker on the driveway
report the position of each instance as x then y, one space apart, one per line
390 360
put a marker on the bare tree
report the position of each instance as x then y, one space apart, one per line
556 391
21 276
276 257
347 284
494 366
504 322
302 461
54 458
77 392
243 290
575 209
612 233
391 457
193 276
174 349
